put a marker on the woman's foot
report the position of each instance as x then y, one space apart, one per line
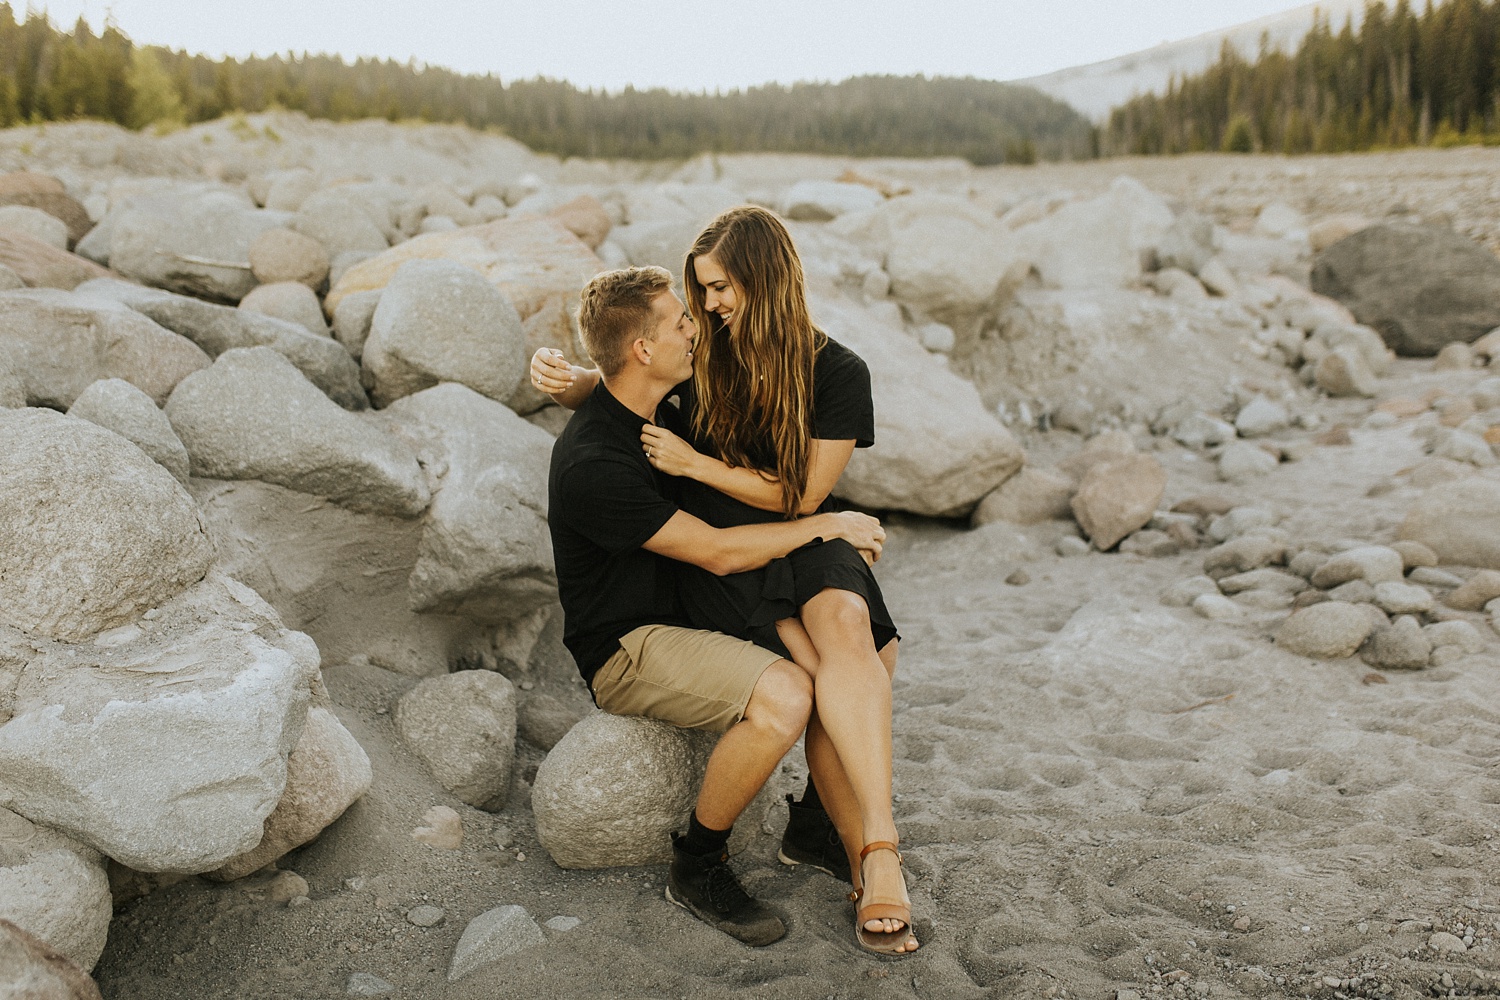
883 908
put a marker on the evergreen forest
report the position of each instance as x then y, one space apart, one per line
1401 78
47 74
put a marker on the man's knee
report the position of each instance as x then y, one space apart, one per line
782 700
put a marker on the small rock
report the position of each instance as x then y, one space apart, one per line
366 984
1481 588
1399 646
1260 417
1019 578
1414 554
1242 924
1402 598
1344 372
1203 431
1241 521
1446 944
288 300
1353 592
1204 505
441 828
1184 592
1264 579
1308 598
1242 555
563 924
1071 545
1461 446
1431 576
1371 563
1336 436
1459 635
426 916
1307 562
1218 279
1151 544
1241 462
1217 607
283 255
1455 357
1127 995
285 887
1328 631
492 935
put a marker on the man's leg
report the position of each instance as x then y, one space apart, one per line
748 753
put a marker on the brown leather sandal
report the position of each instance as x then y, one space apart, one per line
885 943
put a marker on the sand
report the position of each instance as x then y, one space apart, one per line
1096 792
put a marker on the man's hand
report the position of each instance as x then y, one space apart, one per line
550 371
860 530
668 452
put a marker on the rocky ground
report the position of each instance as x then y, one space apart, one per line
1195 695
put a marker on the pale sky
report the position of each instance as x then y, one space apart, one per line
680 45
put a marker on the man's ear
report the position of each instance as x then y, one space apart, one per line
641 348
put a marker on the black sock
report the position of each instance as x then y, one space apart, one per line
700 840
810 796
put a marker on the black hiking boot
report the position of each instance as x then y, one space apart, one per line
811 839
707 888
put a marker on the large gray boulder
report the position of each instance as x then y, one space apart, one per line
92 532
341 221
54 888
59 344
439 321
31 969
338 575
288 300
1098 243
162 744
1460 521
666 219
326 772
820 201
118 406
253 416
217 329
486 553
201 247
463 727
938 450
613 789
1422 287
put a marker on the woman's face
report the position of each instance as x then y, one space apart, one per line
721 293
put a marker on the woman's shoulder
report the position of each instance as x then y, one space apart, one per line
836 359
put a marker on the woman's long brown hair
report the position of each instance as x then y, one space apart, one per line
756 385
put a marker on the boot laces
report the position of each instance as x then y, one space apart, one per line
724 890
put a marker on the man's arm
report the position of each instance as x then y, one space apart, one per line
722 551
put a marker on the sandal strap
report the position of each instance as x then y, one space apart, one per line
881 845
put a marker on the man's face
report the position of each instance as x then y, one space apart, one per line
671 347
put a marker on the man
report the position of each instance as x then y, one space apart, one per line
614 528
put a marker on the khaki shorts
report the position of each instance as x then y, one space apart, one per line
690 678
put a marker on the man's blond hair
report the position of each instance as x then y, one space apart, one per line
615 310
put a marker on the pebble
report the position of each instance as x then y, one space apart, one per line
1371 563
441 828
1151 544
1241 461
1072 545
1216 607
1353 592
492 935
1306 562
1241 521
1480 589
1263 579
285 887
1402 598
1380 420
562 923
426 916
1182 593
1327 631
1414 554
1261 416
1242 555
1019 578
1242 924
367 984
1399 646
1446 944
1429 576
1203 431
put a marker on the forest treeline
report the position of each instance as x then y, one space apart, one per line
1400 78
47 74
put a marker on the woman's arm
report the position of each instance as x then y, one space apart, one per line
674 456
567 384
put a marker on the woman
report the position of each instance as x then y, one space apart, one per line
776 409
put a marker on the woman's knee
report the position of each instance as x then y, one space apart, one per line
843 610
888 657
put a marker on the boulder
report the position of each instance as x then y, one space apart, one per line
1098 243
1421 287
463 727
92 532
22 182
35 223
1370 563
612 791
57 205
30 969
341 222
336 574
288 300
253 416
1031 496
1107 447
491 936
440 321
326 772
1343 372
1329 336
1401 645
939 451
162 744
585 218
116 405
200 247
59 344
352 319
1327 631
1459 521
1241 462
665 220
820 201
54 888
283 255
286 190
217 329
485 553
42 265
1119 497
1187 244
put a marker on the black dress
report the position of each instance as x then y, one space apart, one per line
748 605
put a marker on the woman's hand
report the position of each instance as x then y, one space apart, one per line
550 372
668 452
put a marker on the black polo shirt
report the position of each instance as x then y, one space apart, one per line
604 501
